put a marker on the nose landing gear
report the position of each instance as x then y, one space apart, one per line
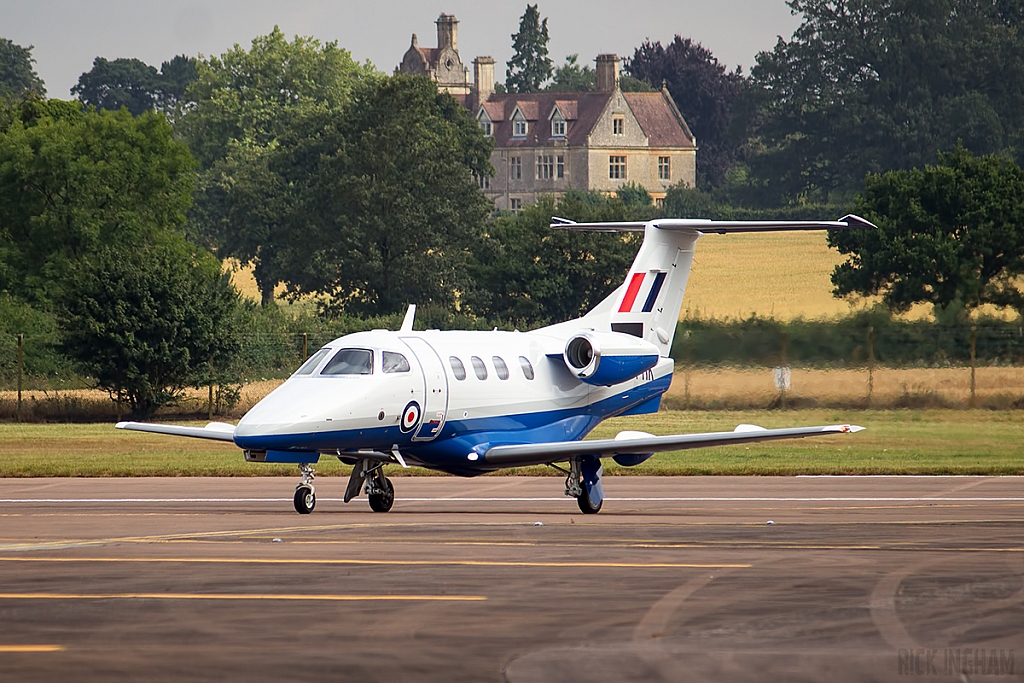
305 494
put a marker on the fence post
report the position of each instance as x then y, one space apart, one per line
305 341
688 359
974 348
871 362
21 344
209 399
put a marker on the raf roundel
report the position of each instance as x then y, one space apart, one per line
410 416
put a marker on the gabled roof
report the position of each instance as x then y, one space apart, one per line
659 118
537 107
568 109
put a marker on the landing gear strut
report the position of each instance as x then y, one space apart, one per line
378 488
583 482
305 495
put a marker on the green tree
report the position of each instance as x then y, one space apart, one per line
175 77
705 93
949 235
129 83
572 77
389 206
875 85
530 275
530 65
243 104
145 320
17 75
72 181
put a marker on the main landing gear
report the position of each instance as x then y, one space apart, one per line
583 482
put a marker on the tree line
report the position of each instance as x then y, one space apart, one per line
357 189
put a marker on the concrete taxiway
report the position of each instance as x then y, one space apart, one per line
502 579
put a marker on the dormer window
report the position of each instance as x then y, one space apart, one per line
487 128
557 127
519 128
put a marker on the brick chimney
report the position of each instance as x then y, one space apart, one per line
607 73
483 78
447 32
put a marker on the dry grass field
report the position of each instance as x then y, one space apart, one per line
773 275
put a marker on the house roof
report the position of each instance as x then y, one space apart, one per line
536 107
659 118
655 112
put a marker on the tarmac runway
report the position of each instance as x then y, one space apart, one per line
502 579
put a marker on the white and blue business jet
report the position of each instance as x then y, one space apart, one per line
468 403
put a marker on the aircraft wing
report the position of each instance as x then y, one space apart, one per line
218 431
639 443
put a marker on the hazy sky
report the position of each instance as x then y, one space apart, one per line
69 34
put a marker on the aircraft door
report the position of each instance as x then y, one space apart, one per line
435 390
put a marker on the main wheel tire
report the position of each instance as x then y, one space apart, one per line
305 500
587 506
382 502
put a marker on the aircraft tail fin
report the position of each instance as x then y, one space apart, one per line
648 302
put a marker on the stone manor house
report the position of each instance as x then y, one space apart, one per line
547 143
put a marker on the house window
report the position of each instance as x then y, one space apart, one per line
618 125
487 128
617 168
500 367
519 128
659 202
478 367
515 168
458 369
515 204
558 128
559 166
483 181
545 167
664 168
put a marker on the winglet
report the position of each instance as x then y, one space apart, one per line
410 316
857 222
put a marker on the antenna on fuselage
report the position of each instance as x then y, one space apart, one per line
410 316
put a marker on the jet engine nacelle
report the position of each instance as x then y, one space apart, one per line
607 358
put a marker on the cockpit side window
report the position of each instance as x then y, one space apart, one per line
478 367
500 367
458 369
395 362
310 365
350 362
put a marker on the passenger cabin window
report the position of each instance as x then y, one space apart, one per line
394 362
310 365
500 367
458 369
350 362
524 362
479 368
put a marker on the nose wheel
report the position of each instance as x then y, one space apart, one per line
305 494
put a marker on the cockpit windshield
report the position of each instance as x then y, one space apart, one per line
310 365
350 362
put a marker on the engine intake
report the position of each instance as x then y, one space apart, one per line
608 358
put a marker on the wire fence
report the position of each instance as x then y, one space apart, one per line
755 363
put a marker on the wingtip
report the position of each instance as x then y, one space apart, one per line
855 221
122 425
845 429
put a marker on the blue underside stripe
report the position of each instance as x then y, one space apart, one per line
459 437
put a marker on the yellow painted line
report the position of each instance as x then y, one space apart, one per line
240 596
31 648
391 563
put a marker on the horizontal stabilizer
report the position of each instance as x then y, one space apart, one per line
217 431
705 226
542 453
